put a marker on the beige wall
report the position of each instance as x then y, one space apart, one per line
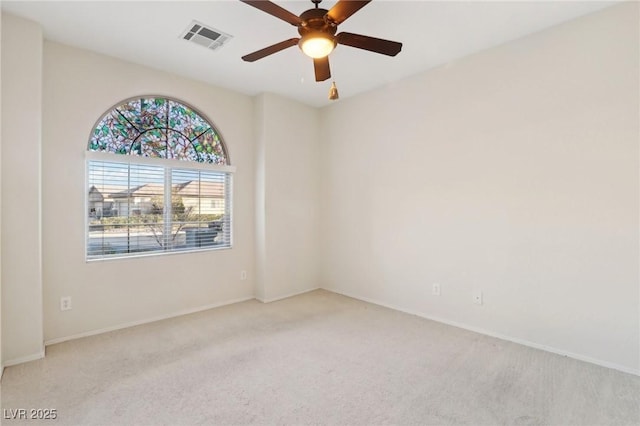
21 228
79 86
514 172
287 202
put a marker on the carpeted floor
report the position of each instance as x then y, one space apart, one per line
318 358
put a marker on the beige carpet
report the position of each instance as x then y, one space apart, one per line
319 358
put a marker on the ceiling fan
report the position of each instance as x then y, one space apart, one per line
317 28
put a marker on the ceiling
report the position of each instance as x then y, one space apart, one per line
433 33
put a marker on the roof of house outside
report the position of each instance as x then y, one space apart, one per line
186 189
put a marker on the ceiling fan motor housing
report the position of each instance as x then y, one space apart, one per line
313 21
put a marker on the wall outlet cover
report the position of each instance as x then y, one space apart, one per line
477 297
435 290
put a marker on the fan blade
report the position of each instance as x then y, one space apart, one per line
321 67
378 45
274 10
345 8
259 54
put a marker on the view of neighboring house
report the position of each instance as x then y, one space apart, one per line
198 208
200 198
203 197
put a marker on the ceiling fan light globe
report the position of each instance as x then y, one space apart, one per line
317 46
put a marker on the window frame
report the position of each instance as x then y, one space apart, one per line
165 164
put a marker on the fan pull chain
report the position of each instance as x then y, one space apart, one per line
333 92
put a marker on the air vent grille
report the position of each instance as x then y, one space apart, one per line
205 36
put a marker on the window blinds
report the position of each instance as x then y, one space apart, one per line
135 209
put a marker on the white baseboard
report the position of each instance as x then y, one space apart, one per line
286 296
145 321
23 359
546 348
500 336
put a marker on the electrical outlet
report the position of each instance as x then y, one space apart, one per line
477 297
435 290
65 303
243 275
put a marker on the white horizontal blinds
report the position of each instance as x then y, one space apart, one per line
125 209
202 207
145 199
141 208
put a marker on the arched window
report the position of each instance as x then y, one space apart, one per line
159 128
167 189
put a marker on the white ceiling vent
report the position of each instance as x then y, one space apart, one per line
205 36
